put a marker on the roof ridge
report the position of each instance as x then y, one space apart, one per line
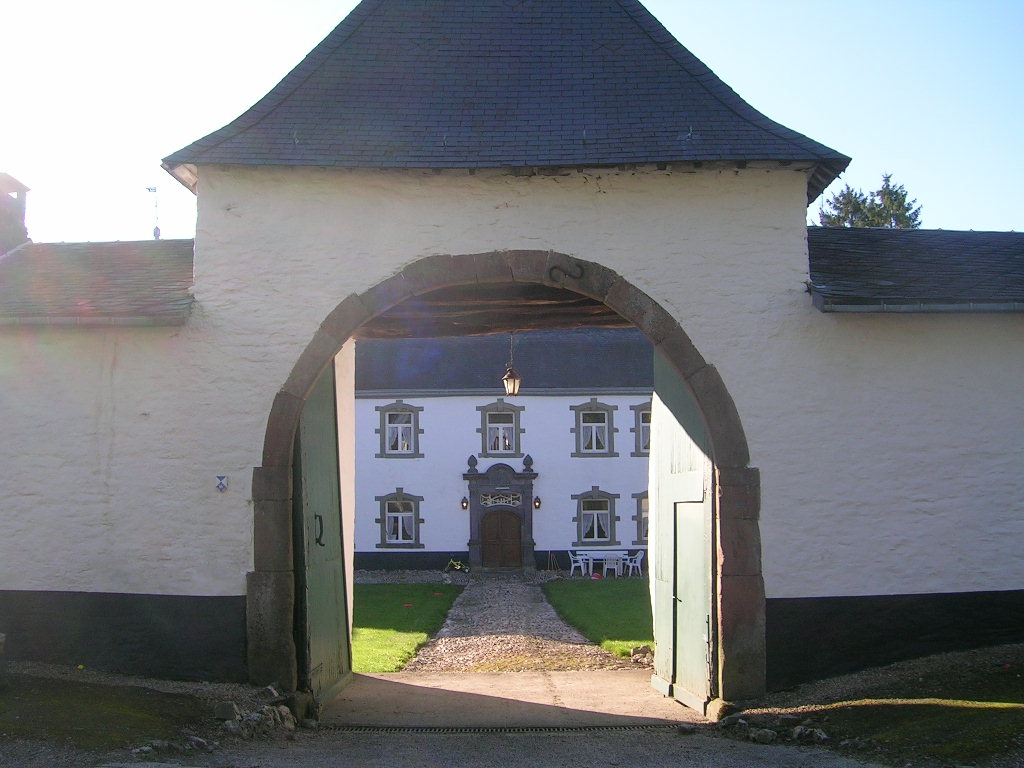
266 104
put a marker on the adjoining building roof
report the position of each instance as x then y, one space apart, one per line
851 270
915 270
502 84
120 283
586 359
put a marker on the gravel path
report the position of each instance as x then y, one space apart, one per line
503 623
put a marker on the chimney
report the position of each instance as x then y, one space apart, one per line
12 213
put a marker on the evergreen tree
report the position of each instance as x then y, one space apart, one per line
886 207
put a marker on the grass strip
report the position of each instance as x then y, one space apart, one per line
614 613
392 621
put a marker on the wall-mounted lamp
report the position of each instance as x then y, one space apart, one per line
465 503
536 502
511 380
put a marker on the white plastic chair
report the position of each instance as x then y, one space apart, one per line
634 564
577 561
613 564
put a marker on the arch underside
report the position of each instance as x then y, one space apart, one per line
497 292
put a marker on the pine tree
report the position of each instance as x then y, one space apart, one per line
886 207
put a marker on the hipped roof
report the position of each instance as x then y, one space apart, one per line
502 84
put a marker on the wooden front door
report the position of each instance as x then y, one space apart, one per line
501 533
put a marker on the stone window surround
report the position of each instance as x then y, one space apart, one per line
399 494
500 406
399 406
641 499
594 406
739 639
595 493
638 429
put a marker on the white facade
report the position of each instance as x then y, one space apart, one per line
451 434
888 446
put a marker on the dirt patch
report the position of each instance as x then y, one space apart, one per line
51 715
92 716
953 709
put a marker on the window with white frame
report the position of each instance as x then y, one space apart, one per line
595 429
595 518
399 520
641 429
500 429
399 431
641 518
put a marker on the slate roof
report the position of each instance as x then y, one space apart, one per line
590 359
499 84
857 269
915 270
120 283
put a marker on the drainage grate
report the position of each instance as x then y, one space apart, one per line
496 729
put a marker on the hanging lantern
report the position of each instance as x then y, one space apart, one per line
511 380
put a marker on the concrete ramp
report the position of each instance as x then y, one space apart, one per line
505 700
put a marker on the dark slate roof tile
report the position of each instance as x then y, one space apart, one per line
132 283
487 83
916 268
591 359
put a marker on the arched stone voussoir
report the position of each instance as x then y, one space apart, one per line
584 277
721 417
350 314
491 267
528 266
641 310
433 272
313 360
280 434
678 348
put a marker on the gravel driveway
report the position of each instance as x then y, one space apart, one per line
503 623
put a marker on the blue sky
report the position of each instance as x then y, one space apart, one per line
95 94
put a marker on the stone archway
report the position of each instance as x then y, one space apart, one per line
740 587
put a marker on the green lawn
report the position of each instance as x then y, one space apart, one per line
391 622
615 613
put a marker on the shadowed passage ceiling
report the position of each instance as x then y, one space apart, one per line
480 309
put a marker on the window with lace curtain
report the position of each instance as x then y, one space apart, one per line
595 518
500 429
399 520
594 429
399 431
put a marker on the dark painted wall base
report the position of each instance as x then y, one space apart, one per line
165 636
813 638
203 638
406 561
544 560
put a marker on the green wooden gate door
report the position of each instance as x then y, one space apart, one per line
322 640
681 541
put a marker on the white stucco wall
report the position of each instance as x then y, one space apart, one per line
450 436
888 446
112 443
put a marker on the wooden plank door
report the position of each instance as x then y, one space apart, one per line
681 536
502 539
321 599
691 603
